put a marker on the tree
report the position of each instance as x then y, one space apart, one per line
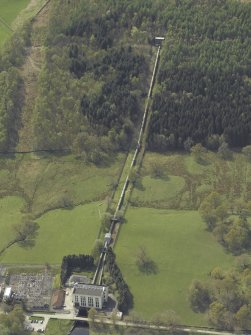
106 222
238 237
133 176
157 169
243 317
224 152
144 262
219 317
97 250
92 316
247 152
26 232
212 210
198 152
199 297
13 323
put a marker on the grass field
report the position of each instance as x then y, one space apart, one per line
10 214
62 232
58 327
8 12
186 182
49 182
182 250
46 185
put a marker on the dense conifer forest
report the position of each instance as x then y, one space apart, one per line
204 79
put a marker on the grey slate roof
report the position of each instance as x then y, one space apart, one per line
90 290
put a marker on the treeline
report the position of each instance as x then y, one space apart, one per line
203 87
11 57
225 297
125 298
233 234
73 263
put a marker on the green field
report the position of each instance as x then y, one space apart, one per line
58 327
185 182
65 196
62 232
51 182
182 250
8 12
10 208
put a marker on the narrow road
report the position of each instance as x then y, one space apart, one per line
190 330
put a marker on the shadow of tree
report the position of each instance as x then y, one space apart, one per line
149 267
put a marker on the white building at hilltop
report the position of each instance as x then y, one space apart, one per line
89 296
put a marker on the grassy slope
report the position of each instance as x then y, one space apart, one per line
182 250
62 232
47 181
8 12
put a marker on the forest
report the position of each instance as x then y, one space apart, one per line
93 83
203 89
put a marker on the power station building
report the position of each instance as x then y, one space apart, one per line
89 296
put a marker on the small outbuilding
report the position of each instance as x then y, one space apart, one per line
108 237
159 40
7 294
58 298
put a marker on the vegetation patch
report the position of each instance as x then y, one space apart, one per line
50 182
9 11
157 191
184 182
182 250
58 327
61 232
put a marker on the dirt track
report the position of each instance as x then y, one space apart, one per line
30 73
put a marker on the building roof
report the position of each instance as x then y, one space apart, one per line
79 279
160 38
90 290
57 300
7 292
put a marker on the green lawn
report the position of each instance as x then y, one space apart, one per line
48 181
47 184
10 214
62 232
9 9
186 182
154 191
58 327
182 250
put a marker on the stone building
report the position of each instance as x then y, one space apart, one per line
89 296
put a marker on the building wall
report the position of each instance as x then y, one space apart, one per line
88 301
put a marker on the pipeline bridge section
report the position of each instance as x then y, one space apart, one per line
115 221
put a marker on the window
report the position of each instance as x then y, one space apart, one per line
90 301
76 298
83 301
97 303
